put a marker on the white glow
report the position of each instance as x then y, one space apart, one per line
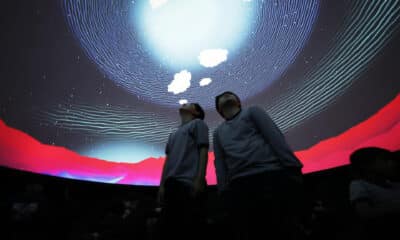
157 3
123 152
180 83
183 101
179 30
205 82
213 57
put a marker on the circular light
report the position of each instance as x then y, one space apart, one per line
243 46
177 31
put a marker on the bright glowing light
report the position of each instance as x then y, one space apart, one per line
183 101
213 57
87 178
179 30
180 83
127 48
122 152
205 81
157 3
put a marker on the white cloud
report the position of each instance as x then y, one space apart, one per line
181 82
157 3
205 82
213 57
183 101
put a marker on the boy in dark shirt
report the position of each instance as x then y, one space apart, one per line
258 174
183 177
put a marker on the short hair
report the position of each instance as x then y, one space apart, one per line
200 110
365 156
220 95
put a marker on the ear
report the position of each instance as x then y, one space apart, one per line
194 110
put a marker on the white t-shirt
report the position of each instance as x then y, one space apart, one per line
250 143
183 150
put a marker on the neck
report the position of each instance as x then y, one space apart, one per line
230 112
185 120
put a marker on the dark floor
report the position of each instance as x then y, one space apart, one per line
44 207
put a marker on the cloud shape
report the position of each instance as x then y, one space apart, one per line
157 3
213 57
205 81
183 101
181 82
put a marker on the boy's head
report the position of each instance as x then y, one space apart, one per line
225 100
192 110
371 161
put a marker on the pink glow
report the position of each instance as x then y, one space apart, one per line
20 151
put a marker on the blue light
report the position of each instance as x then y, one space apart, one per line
178 30
122 152
251 43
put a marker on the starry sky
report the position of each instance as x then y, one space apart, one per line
54 89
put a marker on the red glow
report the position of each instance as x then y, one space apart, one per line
21 151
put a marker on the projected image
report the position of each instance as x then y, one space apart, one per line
91 89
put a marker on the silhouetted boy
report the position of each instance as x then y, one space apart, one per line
374 193
183 178
258 175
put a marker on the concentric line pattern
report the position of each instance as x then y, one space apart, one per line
114 123
369 27
105 32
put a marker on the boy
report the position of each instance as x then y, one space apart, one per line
183 176
258 174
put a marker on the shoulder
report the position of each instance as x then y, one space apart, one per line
198 123
362 184
196 126
357 184
359 189
219 127
257 113
255 109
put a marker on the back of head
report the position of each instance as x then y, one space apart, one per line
369 161
363 155
200 110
